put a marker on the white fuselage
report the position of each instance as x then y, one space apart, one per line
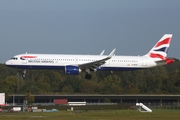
59 61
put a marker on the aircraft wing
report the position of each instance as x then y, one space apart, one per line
95 64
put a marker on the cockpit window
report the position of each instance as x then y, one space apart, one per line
14 58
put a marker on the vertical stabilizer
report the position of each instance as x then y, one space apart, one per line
161 48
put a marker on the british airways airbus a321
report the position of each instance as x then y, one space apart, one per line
75 64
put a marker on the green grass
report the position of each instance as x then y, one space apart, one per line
95 115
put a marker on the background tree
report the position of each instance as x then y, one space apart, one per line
158 80
29 98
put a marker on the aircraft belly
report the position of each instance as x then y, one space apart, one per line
118 68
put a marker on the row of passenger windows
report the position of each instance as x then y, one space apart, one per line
64 59
124 61
15 58
85 60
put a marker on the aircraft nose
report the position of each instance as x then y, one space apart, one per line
8 62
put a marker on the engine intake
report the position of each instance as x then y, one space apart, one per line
72 70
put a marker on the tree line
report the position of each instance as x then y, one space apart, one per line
158 80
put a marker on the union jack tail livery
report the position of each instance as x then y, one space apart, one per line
161 48
159 51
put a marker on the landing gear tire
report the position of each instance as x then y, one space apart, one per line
88 76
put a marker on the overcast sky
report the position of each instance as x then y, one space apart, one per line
87 26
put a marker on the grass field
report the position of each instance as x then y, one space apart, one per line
95 115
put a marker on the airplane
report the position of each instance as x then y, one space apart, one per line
75 64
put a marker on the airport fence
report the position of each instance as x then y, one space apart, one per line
132 105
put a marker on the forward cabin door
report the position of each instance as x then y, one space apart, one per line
24 61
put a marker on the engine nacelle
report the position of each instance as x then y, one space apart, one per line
72 70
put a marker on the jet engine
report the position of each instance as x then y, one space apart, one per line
72 70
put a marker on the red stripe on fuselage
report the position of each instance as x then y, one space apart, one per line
28 57
165 41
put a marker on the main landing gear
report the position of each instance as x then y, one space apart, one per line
88 76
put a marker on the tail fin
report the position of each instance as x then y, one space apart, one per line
161 48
